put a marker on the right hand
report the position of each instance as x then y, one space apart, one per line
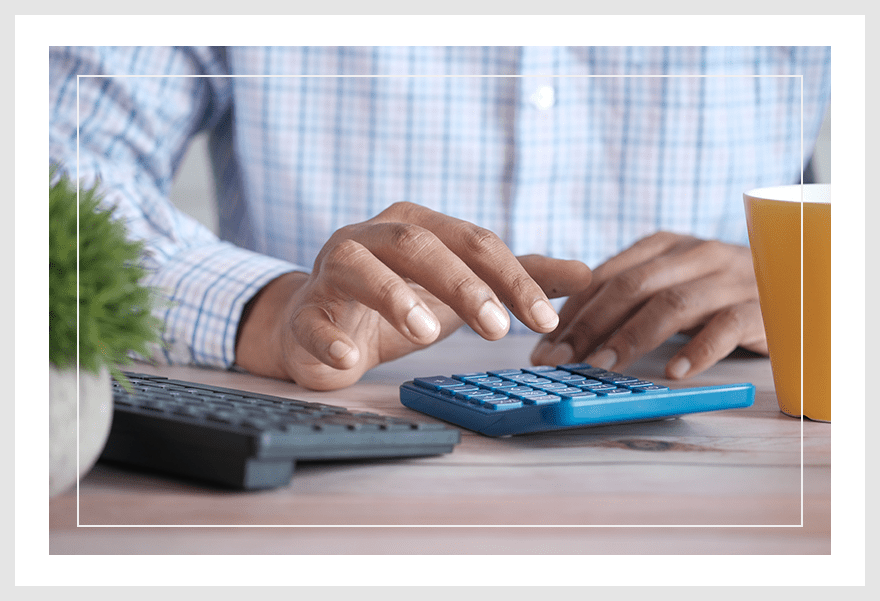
393 284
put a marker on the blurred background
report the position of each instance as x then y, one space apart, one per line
193 190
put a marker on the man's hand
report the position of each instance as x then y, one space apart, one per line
664 284
391 285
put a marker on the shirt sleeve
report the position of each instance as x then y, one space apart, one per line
123 118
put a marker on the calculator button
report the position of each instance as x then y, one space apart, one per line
571 391
472 374
483 380
521 392
503 385
542 400
638 383
490 398
615 392
556 375
525 377
505 372
582 394
437 382
479 394
593 372
622 380
599 387
503 405
462 392
574 366
550 386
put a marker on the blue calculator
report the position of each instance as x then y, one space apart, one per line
536 399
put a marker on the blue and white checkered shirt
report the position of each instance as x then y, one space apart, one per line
568 152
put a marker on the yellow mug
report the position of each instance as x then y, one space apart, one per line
774 216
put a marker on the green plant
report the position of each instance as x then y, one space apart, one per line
114 308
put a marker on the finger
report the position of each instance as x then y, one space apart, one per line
486 255
356 274
417 253
557 277
641 252
314 331
622 296
672 310
738 325
553 349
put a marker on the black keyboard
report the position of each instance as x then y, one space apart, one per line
250 441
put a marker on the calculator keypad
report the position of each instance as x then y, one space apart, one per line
505 389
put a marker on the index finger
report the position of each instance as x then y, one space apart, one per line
489 258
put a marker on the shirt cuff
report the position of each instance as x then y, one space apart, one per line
201 294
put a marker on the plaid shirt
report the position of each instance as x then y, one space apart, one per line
568 152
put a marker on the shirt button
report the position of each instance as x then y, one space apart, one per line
543 98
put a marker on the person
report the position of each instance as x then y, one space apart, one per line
373 200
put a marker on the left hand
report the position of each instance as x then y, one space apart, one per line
664 284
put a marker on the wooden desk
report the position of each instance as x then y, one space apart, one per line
739 468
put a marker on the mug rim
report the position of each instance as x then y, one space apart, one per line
814 193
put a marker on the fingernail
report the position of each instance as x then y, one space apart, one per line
421 323
604 359
678 367
493 319
338 350
544 315
559 354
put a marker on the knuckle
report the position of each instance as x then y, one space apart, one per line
388 292
674 300
341 255
465 288
733 319
409 237
627 285
713 248
517 286
479 240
